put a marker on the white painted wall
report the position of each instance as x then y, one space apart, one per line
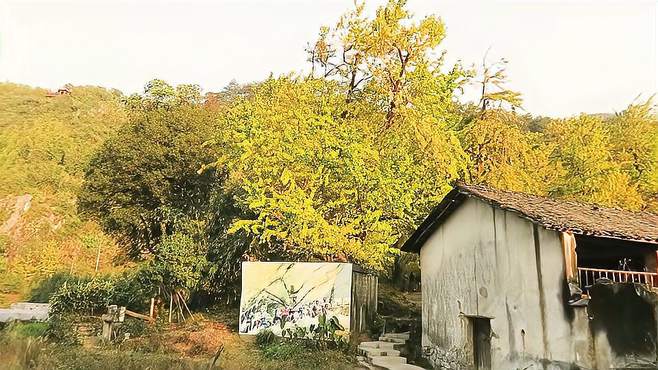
481 262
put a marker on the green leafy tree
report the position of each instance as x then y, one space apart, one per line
342 165
502 150
158 94
144 184
179 262
505 155
634 144
583 148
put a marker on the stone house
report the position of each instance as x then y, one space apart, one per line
516 281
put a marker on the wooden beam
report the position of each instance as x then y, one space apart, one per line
139 316
570 257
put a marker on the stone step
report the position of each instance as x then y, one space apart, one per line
370 352
385 353
404 336
393 340
382 344
401 367
363 362
383 361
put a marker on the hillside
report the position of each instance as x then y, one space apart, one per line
45 142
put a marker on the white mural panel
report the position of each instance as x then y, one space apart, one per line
281 295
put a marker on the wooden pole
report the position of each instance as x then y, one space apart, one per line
171 303
98 257
185 304
152 307
180 308
177 308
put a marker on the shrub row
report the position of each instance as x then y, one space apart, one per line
91 295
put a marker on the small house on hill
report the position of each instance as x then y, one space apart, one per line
59 92
517 281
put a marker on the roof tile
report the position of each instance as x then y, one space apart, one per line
568 215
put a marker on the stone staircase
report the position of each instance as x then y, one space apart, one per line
386 353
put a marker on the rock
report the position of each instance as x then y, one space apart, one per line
21 205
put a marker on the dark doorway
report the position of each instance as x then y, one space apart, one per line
482 343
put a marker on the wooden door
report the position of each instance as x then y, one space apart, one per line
482 343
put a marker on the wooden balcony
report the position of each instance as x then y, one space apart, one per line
588 276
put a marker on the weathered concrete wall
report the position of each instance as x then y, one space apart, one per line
25 311
487 262
623 316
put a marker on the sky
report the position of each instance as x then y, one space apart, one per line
564 57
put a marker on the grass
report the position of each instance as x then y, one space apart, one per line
30 330
294 356
36 354
29 353
287 355
190 345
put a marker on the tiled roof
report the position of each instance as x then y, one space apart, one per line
556 214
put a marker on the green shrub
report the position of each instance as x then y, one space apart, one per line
284 351
134 290
84 296
49 286
134 327
30 329
328 333
376 326
265 337
61 329
93 295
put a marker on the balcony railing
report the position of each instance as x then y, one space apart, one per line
588 276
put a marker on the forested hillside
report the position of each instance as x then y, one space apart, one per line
45 145
338 164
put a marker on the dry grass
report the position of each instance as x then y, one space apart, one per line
190 345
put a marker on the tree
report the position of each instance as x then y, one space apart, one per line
502 151
492 89
144 184
583 148
158 94
317 183
230 94
505 155
343 164
634 144
291 159
391 60
178 264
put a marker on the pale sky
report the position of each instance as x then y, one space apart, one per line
565 57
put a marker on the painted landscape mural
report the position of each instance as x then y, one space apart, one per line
280 295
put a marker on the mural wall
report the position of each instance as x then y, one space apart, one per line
290 294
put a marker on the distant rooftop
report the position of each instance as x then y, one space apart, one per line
550 213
